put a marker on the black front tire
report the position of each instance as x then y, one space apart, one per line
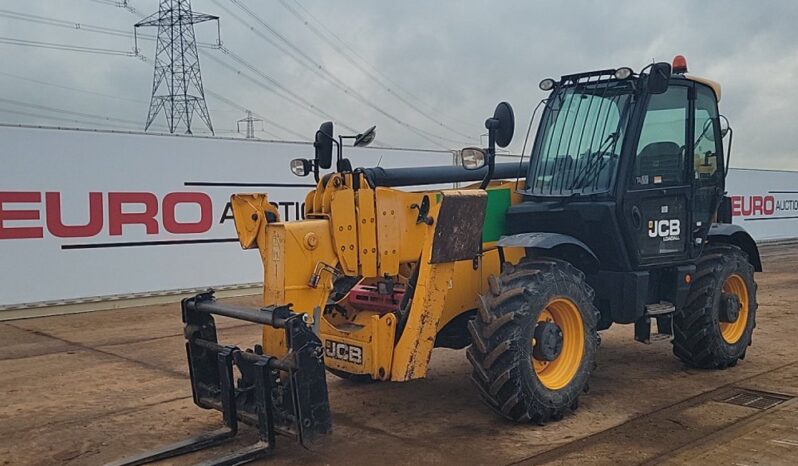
502 331
697 335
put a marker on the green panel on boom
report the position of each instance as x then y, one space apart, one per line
498 203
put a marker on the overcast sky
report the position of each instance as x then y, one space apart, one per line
441 67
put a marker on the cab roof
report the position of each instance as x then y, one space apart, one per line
714 85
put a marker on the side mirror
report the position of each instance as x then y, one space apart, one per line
366 137
301 167
658 78
724 127
502 125
500 132
707 132
323 144
473 158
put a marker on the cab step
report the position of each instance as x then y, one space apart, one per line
660 337
661 311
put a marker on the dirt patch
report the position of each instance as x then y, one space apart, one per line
91 388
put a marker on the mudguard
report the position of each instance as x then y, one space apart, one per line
730 233
562 246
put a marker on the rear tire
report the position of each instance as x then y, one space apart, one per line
513 380
700 339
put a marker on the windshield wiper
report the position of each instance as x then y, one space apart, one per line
595 160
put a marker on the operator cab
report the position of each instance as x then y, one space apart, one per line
635 157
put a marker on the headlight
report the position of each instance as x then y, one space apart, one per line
473 158
623 73
300 167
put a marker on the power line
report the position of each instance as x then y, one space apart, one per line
361 59
69 88
61 23
119 4
305 60
276 87
55 118
241 107
83 27
308 62
302 137
143 58
286 94
298 100
108 121
67 112
71 48
291 96
357 63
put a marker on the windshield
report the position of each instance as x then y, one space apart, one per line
580 137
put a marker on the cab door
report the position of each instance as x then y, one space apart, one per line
708 179
656 205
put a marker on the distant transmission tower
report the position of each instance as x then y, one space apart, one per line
177 83
250 121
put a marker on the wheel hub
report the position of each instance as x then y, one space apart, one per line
729 307
548 341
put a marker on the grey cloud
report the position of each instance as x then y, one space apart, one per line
460 58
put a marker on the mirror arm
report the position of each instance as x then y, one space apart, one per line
728 151
491 166
491 153
340 143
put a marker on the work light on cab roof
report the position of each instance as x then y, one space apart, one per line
623 73
546 85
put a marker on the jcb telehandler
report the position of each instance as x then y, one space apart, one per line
619 217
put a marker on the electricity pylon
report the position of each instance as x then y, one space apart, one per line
177 83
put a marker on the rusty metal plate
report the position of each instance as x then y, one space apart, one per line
458 228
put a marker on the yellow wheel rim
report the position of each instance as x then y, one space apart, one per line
558 373
733 331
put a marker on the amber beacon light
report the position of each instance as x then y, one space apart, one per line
679 64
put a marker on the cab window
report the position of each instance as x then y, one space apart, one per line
707 136
660 159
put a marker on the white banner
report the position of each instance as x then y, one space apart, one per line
765 202
89 213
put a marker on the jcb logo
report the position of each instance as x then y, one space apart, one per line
668 230
343 352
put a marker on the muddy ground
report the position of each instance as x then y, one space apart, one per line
92 388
